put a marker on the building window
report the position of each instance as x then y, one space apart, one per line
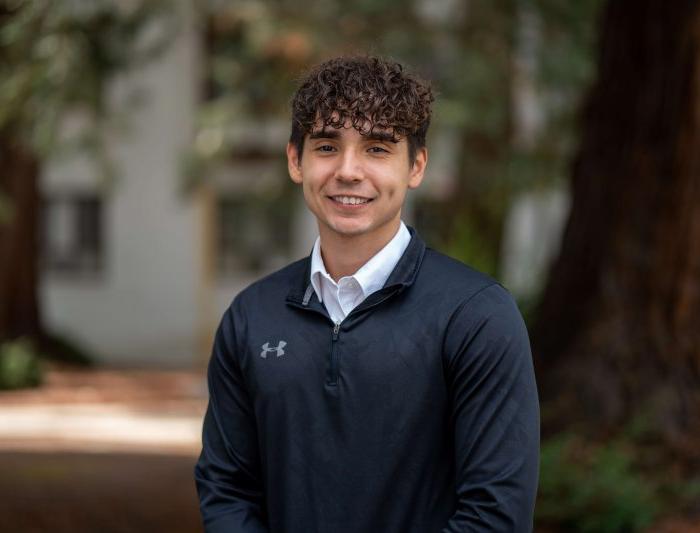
254 233
72 233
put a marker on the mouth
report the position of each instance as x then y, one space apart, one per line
350 201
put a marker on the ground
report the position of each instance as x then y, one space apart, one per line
97 492
107 451
113 451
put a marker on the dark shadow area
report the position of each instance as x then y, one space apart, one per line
97 493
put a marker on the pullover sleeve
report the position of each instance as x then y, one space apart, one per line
228 474
494 414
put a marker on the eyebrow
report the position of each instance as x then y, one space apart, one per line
383 136
324 134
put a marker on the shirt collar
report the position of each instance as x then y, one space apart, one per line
318 269
373 274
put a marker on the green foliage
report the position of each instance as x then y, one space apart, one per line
6 209
528 308
470 247
19 365
687 493
55 58
590 488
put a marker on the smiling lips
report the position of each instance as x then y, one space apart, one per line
350 200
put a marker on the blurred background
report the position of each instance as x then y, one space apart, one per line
143 184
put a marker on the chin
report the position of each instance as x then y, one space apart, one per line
349 227
350 231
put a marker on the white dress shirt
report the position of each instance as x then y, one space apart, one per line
342 297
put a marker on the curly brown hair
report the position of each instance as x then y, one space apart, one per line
368 92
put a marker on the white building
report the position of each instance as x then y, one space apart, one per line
126 272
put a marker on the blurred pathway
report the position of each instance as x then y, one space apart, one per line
102 451
106 410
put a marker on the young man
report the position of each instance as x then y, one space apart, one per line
377 385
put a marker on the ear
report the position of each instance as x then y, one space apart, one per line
293 163
418 169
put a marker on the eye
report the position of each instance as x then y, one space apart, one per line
325 148
378 150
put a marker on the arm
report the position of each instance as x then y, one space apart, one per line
495 415
227 474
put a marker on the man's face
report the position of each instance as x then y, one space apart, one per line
355 184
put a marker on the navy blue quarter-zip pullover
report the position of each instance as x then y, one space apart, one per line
418 413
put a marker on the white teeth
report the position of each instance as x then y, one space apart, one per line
352 200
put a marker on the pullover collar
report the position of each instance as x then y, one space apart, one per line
403 275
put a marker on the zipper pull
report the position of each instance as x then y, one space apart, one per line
336 328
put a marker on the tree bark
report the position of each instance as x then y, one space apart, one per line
618 329
19 310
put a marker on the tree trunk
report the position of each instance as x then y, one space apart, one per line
618 330
19 310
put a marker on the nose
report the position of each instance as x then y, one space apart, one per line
350 167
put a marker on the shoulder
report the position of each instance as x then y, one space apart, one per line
464 292
262 300
481 319
453 280
272 289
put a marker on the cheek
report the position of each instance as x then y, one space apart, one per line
307 184
310 193
395 190
307 192
313 181
396 194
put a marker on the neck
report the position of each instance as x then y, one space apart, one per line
344 255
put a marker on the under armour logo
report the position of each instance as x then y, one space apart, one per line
279 349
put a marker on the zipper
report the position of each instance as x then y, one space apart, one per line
333 377
334 355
